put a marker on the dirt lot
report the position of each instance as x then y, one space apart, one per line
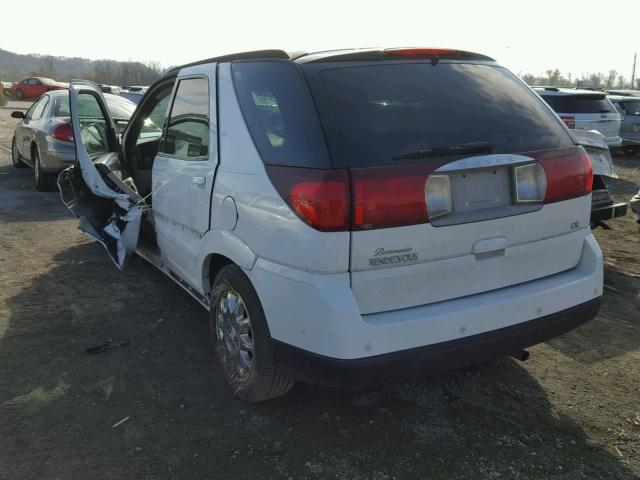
571 411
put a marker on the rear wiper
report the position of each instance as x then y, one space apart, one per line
463 149
604 111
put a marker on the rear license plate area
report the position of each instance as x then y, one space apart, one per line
481 189
483 194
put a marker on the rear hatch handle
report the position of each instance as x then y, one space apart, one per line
489 245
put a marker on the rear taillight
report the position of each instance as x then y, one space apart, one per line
318 197
392 196
402 195
63 132
568 172
569 121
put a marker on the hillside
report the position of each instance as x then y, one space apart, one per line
14 66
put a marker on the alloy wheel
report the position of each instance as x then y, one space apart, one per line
233 332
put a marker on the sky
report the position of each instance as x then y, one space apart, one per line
526 37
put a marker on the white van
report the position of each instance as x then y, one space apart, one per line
350 216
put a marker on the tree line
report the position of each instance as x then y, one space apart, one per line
15 67
555 78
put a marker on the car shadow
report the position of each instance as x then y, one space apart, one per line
616 329
158 407
19 195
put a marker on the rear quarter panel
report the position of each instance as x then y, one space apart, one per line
265 223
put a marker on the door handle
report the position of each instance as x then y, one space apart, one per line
199 181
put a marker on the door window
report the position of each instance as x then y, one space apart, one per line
93 125
187 134
154 122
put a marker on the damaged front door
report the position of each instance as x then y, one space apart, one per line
96 188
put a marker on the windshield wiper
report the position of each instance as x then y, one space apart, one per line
463 149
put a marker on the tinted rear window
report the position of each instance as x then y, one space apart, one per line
280 113
579 103
388 110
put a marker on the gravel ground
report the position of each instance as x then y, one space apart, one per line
571 411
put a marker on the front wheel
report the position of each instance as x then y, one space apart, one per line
242 341
16 159
43 181
19 94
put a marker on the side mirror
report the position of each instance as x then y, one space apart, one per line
17 114
195 150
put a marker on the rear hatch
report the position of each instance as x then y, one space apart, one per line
461 180
589 111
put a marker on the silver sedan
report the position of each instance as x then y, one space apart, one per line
43 139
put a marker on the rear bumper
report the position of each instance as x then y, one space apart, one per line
431 359
57 157
609 212
318 313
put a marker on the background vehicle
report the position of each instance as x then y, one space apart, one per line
595 123
629 107
3 98
44 138
584 110
341 222
34 87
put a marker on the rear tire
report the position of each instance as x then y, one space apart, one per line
19 94
240 335
43 181
16 158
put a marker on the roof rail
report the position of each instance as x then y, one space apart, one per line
254 55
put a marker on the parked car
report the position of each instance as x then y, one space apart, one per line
136 88
629 107
110 89
586 112
342 223
3 98
34 87
44 140
602 205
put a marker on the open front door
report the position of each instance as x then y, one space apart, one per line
95 187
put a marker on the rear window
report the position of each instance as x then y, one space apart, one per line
387 111
579 103
280 113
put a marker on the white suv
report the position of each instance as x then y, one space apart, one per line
348 216
585 110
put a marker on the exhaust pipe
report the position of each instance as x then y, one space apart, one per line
521 355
